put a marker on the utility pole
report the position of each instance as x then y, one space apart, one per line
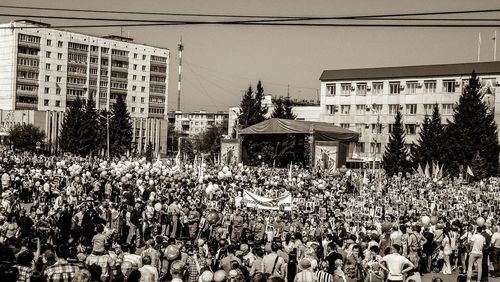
180 48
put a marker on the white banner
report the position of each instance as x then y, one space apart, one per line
252 200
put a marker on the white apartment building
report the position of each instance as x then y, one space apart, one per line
366 100
194 123
46 69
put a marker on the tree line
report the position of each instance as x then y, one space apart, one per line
467 144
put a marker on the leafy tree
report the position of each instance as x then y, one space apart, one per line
25 136
120 128
90 130
396 155
283 108
472 132
209 141
69 139
149 152
430 145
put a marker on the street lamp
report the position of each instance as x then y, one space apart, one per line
107 117
375 109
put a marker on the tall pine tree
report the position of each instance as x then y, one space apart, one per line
90 132
251 109
69 138
396 155
472 134
260 110
120 128
430 147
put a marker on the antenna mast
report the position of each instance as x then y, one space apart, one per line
180 48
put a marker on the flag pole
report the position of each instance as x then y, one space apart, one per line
495 46
479 48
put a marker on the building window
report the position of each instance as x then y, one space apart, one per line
58 103
135 55
393 109
390 128
59 56
411 129
330 89
133 109
428 108
59 67
46 90
375 148
142 110
143 78
47 78
377 108
449 86
47 66
346 89
376 128
144 57
59 44
143 68
411 87
143 89
134 87
345 109
49 42
430 86
360 147
331 109
394 87
447 109
360 109
344 125
361 89
142 99
134 77
360 128
47 54
58 91
58 79
133 98
411 109
378 88
45 102
135 67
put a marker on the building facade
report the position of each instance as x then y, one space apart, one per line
194 123
46 69
145 130
366 100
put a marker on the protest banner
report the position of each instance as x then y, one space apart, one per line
252 200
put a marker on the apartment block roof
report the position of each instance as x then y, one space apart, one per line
481 68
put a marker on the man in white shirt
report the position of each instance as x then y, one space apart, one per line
477 242
149 273
495 243
395 264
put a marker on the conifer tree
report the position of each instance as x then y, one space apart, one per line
430 147
90 131
283 108
472 134
251 109
69 138
396 155
120 128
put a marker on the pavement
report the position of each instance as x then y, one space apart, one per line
450 278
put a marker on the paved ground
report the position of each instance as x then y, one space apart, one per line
449 278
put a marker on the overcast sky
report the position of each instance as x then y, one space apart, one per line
221 61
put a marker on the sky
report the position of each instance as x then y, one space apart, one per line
220 62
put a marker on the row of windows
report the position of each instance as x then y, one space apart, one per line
156 110
48 54
158 59
77 69
27 75
28 62
118 75
77 46
119 64
31 88
47 91
374 147
119 52
28 51
77 58
159 69
134 88
29 38
395 87
77 80
157 78
47 103
118 85
134 110
157 89
411 129
409 109
157 100
75 92
143 56
58 67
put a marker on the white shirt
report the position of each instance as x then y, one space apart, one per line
478 242
395 264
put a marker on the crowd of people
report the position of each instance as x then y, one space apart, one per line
68 218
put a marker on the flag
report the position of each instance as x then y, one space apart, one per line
434 169
290 172
427 173
469 171
366 181
420 171
440 174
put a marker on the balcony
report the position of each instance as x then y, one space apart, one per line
27 68
158 63
159 73
27 93
77 74
154 115
119 57
34 45
119 91
120 79
157 82
26 106
120 69
78 51
77 63
27 56
29 81
77 85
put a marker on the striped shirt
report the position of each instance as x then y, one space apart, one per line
324 276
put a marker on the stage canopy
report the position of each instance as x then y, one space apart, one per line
322 131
